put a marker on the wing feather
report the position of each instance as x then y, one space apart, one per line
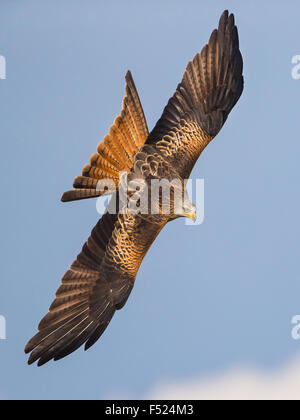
69 322
116 152
210 87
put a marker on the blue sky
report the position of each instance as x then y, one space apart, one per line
206 297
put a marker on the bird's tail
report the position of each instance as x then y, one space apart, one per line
116 152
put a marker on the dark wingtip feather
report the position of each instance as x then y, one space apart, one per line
213 37
128 76
79 194
223 19
213 83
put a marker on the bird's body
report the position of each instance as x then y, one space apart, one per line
101 278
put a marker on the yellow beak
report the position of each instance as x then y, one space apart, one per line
191 215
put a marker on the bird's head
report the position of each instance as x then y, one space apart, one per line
185 209
190 211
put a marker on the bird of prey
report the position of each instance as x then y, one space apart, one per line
101 278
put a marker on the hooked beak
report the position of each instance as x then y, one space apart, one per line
191 215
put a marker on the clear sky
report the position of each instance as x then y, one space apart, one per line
207 297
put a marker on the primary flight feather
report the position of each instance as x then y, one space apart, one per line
101 278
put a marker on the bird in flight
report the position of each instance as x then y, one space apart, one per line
101 278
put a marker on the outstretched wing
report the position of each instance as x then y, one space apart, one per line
116 152
97 284
69 322
211 86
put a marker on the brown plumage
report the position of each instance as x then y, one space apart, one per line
101 278
116 152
